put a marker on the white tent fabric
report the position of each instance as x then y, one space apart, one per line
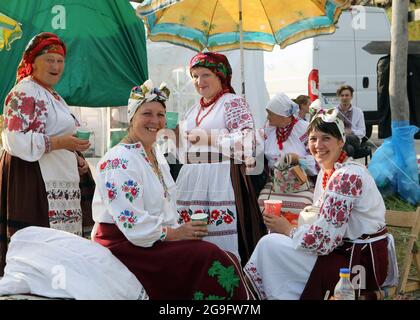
57 264
169 63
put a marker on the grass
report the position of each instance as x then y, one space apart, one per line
401 236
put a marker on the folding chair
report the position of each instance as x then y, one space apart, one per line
411 221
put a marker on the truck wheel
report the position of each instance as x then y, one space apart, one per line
368 130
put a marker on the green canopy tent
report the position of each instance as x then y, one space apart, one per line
106 47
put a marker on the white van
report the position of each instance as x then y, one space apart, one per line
329 61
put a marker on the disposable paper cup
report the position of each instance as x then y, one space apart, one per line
273 207
171 119
199 217
291 217
83 134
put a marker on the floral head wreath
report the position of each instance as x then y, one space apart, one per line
330 116
147 92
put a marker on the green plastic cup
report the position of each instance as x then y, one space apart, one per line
171 119
83 134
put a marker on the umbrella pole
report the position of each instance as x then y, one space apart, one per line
241 46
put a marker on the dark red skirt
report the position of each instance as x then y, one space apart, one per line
325 274
190 269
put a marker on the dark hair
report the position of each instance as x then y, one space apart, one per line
302 99
345 87
331 128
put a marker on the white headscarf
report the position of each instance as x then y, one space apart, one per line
282 105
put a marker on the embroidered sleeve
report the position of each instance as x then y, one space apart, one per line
328 231
25 118
121 188
238 140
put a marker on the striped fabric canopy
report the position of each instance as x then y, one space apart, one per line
214 24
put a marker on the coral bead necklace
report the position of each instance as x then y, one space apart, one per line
204 105
326 176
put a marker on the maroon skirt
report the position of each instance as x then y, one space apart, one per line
189 269
325 274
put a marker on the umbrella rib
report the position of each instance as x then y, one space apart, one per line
269 22
210 23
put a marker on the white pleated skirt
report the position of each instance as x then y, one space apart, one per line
207 188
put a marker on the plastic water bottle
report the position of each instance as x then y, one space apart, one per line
344 289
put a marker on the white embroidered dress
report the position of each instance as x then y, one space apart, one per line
207 187
129 194
32 115
350 207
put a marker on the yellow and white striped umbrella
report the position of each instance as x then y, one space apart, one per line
9 31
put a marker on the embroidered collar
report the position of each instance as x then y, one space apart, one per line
157 171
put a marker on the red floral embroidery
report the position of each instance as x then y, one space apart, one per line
185 217
238 116
216 217
346 185
336 211
113 164
318 240
255 277
221 216
28 105
227 219
14 123
215 214
24 113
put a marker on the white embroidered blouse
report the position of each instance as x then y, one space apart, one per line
350 206
31 116
230 116
297 143
130 194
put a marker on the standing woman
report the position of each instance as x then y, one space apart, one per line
213 178
348 230
303 102
40 169
135 213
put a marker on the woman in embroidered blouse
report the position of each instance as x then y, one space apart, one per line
135 214
213 177
304 261
40 170
286 134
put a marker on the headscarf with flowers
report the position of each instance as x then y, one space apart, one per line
331 116
218 64
45 42
147 92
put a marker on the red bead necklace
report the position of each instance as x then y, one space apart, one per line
284 133
326 177
204 105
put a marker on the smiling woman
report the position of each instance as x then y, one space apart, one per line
135 213
347 229
40 163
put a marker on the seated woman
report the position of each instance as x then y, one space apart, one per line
304 261
286 141
134 210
